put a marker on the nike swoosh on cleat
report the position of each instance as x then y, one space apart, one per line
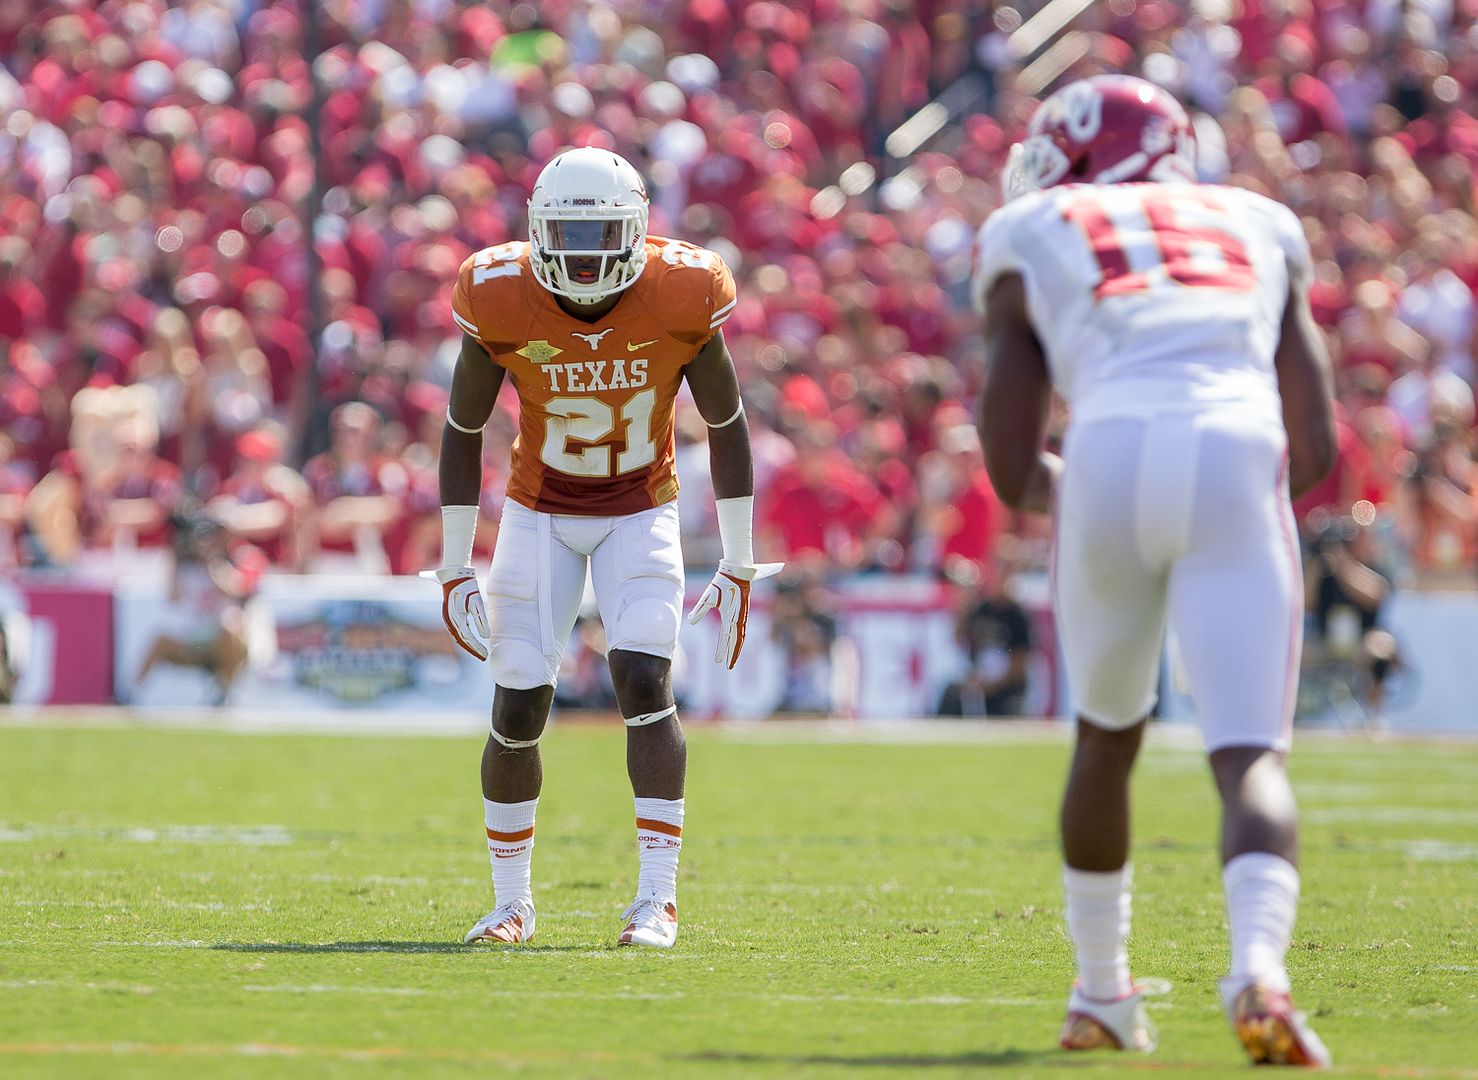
639 345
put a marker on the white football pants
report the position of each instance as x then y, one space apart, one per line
538 578
1185 515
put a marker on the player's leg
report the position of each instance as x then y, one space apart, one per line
229 652
1110 597
534 589
1236 605
177 653
656 754
638 577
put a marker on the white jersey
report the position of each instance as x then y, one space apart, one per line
1150 298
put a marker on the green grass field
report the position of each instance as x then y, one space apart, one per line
198 904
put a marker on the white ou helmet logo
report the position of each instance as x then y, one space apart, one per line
1077 108
588 225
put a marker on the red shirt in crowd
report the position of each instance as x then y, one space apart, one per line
978 520
830 517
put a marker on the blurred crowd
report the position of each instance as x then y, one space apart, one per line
156 160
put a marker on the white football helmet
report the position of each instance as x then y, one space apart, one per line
588 225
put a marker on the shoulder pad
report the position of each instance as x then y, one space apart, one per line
487 289
695 290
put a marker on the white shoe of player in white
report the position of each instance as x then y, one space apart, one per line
650 922
1107 1025
511 924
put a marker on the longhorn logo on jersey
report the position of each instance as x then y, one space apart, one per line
593 340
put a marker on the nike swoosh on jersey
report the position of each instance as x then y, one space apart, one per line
639 345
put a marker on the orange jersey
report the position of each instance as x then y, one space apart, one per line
595 433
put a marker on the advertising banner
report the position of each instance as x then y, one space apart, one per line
872 648
59 638
312 643
880 650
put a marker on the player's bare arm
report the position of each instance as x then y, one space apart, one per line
1307 389
715 387
1014 403
475 384
476 381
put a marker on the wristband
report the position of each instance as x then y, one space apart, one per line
736 528
458 530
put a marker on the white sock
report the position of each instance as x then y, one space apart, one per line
659 840
510 847
1098 919
1262 900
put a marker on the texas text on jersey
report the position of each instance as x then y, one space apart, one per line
595 398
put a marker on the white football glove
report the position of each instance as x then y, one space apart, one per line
461 607
729 592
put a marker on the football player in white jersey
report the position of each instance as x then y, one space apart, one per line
1173 317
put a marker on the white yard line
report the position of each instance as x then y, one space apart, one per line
707 994
330 1053
143 904
65 984
1385 814
246 835
902 730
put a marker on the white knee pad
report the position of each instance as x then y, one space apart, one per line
648 625
643 719
518 665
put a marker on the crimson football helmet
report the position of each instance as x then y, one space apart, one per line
1110 129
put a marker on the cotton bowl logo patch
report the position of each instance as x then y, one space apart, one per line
358 652
540 352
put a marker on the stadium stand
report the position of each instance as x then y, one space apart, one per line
155 162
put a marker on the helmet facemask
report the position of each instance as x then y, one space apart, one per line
587 254
1034 163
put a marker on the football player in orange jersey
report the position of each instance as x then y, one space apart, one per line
597 325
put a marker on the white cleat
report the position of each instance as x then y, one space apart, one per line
1270 1030
650 922
510 924
1107 1025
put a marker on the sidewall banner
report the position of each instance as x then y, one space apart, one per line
67 651
316 643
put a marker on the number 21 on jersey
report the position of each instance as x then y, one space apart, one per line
1147 237
589 420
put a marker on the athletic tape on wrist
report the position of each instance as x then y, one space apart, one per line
736 528
643 719
458 534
